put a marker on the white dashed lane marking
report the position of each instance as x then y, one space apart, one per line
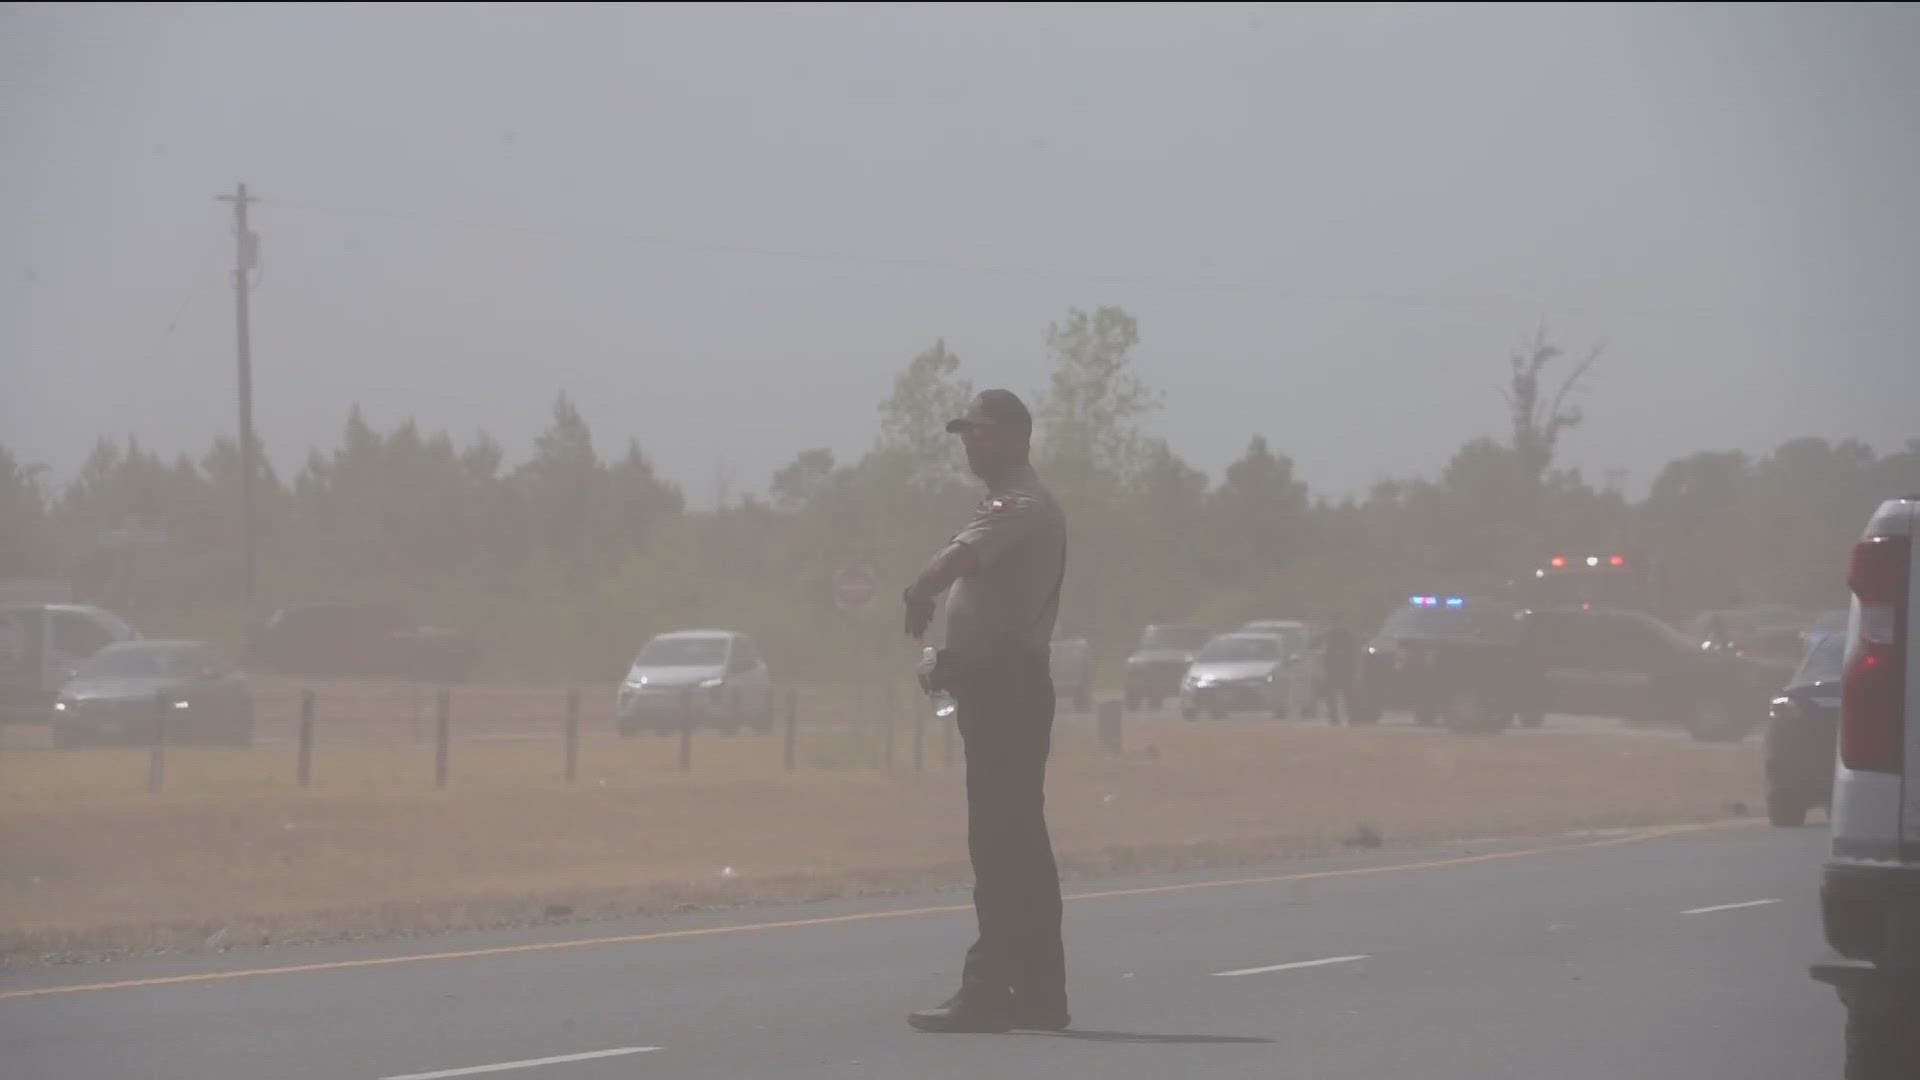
1729 907
530 1063
1291 967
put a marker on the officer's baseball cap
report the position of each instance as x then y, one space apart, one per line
1001 407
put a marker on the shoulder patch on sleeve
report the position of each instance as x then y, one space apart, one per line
1000 504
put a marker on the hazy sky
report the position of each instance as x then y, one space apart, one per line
724 230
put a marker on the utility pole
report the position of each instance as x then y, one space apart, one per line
246 256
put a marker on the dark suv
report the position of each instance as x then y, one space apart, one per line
1630 665
1160 661
1803 728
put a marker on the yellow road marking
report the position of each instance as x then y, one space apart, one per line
862 916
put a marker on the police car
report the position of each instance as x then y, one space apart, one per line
1447 659
1870 893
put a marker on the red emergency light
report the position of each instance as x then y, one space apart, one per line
1617 561
1559 562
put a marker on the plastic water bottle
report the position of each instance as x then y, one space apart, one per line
943 703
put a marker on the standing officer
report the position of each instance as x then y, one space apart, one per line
1339 665
1005 569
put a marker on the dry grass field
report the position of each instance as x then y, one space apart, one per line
232 852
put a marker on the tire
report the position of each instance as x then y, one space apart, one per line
763 723
1784 811
1216 713
1713 721
1881 1045
1361 712
1189 714
1423 716
1532 718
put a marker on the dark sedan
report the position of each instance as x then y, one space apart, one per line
1803 725
126 691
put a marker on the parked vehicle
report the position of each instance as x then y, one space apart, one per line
1245 672
1071 663
42 647
1773 633
1870 888
1630 665
1300 641
122 695
1160 661
369 641
1450 659
709 678
1803 729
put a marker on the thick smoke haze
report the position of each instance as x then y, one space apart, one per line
723 230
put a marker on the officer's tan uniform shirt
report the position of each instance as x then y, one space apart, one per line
1020 536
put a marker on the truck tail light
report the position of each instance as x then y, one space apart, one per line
1874 686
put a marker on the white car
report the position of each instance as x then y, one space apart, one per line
709 678
1246 671
1870 892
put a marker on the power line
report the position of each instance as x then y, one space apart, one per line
1266 289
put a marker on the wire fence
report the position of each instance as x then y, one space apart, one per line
293 727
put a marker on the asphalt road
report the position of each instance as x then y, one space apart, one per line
1587 959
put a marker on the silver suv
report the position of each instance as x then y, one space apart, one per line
1870 892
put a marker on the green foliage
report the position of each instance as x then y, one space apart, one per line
562 565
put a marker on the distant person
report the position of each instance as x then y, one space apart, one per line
1339 660
1005 568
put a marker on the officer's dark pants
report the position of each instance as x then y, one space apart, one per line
1006 725
1337 696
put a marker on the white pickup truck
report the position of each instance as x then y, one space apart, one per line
1870 891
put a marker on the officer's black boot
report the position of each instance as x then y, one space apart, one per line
966 1012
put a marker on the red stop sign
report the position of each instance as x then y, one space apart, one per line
853 587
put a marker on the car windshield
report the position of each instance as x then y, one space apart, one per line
1174 637
1823 660
1238 647
146 662
683 652
1480 622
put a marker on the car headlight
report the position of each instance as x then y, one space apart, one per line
59 706
180 705
713 683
